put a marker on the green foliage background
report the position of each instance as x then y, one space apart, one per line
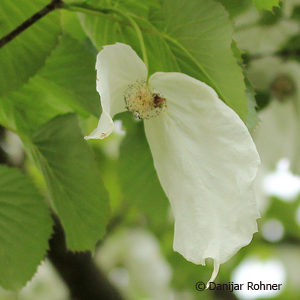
48 98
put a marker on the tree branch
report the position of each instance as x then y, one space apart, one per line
26 24
84 279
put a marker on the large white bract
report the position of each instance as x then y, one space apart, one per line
203 153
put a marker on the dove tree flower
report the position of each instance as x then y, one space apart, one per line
282 80
257 38
203 153
140 251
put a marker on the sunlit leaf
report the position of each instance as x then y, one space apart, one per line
26 54
71 67
266 4
193 37
74 181
25 227
26 109
66 83
140 184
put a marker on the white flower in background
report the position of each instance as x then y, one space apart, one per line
13 147
46 285
203 153
288 7
256 38
282 183
254 269
277 136
267 73
263 201
138 268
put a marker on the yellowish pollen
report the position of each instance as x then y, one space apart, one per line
142 102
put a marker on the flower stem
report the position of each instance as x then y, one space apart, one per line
83 8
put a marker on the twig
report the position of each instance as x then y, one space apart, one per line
30 21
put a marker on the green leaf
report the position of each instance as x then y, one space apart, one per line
103 31
71 25
25 55
266 4
139 181
66 83
200 35
71 67
25 227
252 116
31 106
73 179
235 7
270 18
193 37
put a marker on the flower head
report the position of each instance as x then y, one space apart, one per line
281 80
203 153
255 37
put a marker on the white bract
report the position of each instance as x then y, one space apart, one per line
203 153
277 135
140 251
257 38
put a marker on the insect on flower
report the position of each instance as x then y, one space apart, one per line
158 100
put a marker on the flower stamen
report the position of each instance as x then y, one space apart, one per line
142 102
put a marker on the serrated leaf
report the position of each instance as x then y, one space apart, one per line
71 67
25 227
31 106
103 31
66 83
25 55
266 4
140 185
203 35
252 116
194 37
235 7
74 181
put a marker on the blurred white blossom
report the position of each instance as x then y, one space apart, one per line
264 38
277 135
45 285
133 260
253 269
